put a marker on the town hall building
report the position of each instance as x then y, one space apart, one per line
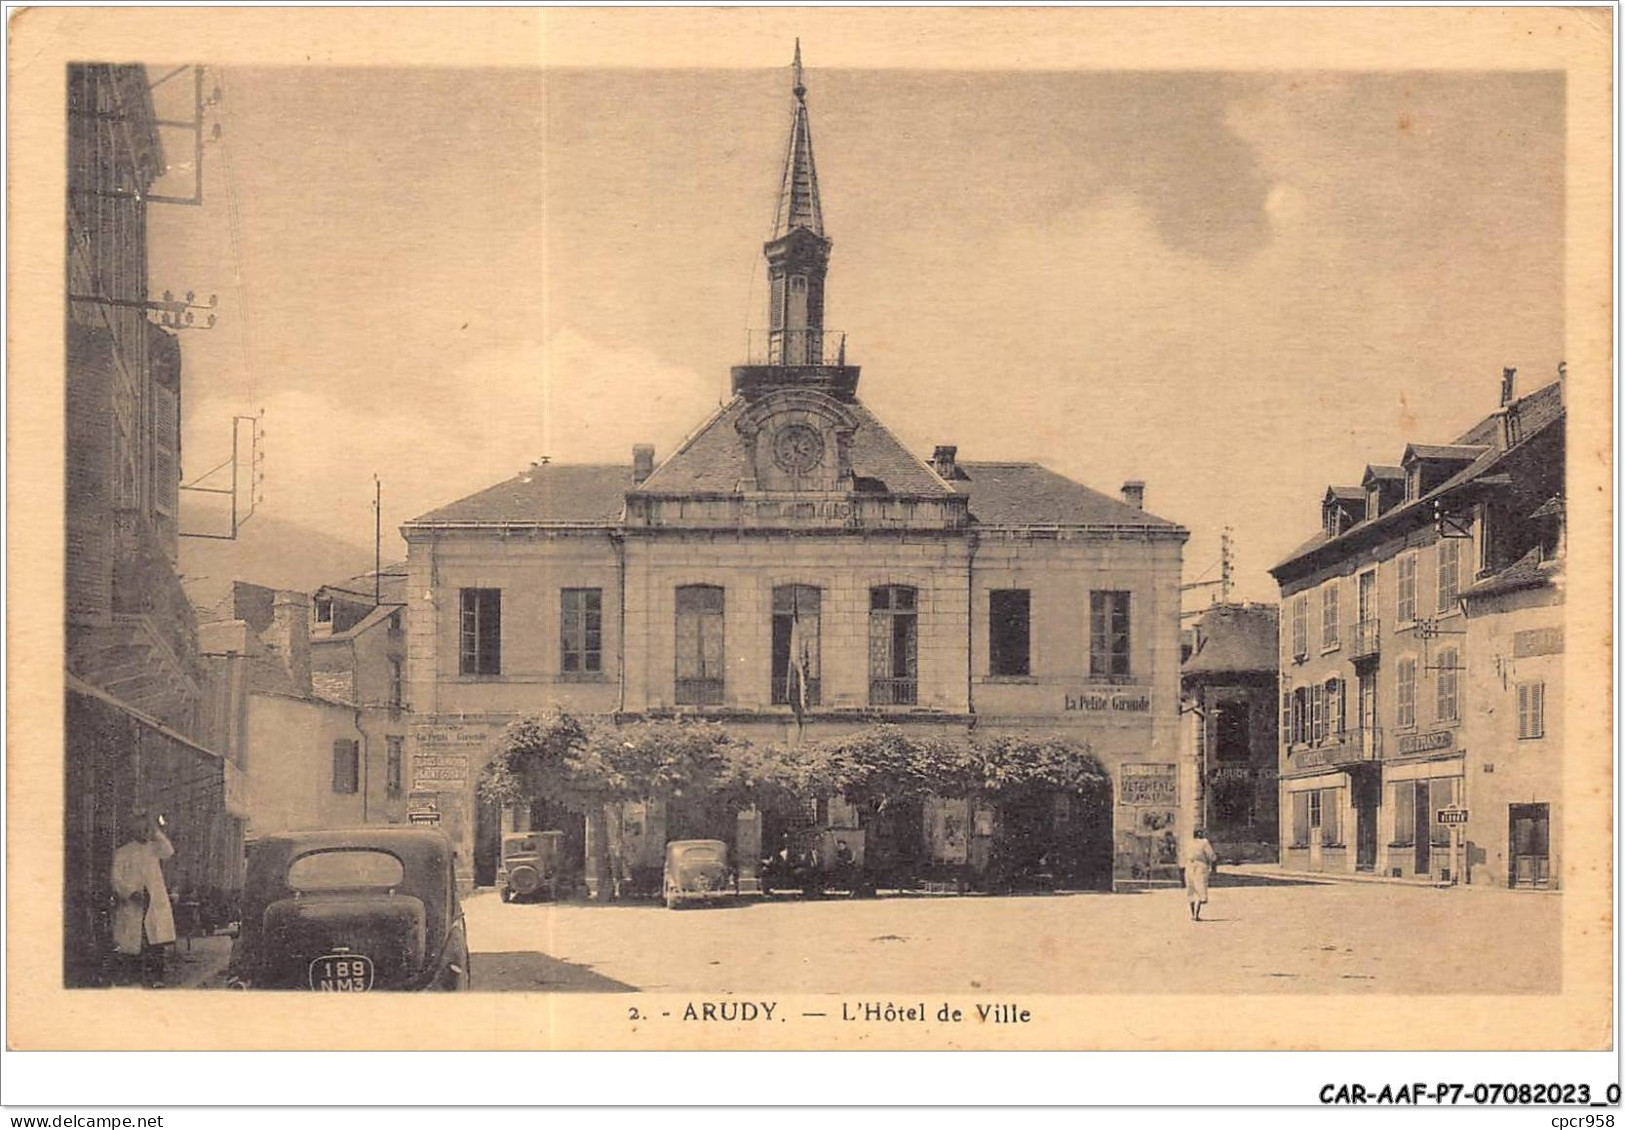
793 532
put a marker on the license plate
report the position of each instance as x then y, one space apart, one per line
341 973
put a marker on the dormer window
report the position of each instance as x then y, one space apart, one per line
324 610
1413 482
1373 503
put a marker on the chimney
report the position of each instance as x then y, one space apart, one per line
942 461
643 462
1134 494
1508 384
288 637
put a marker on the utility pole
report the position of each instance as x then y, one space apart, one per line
1226 563
377 541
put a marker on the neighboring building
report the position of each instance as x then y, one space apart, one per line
358 657
138 732
1229 682
314 752
1515 732
940 596
1389 692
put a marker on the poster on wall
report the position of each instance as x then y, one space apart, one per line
441 753
1149 784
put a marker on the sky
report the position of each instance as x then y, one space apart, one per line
1239 288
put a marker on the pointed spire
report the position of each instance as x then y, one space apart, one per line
799 206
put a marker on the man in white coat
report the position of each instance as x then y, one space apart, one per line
143 923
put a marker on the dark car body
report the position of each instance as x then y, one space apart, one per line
698 871
352 910
530 865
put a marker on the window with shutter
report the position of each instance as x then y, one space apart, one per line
1405 692
1448 706
1329 627
1531 710
1449 573
1404 814
346 766
1331 816
1300 819
1405 609
700 653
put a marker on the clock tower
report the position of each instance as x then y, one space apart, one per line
796 349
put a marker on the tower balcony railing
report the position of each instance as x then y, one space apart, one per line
796 347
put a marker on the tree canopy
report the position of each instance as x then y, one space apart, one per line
556 755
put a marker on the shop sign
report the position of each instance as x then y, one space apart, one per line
1452 816
1537 641
1231 773
1426 743
1148 784
1125 700
440 755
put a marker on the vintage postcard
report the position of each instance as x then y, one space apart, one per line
810 528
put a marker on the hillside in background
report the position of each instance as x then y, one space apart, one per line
268 551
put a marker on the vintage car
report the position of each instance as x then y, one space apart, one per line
698 871
351 911
530 865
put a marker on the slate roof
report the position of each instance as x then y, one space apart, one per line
1346 494
1534 413
1234 638
713 460
1447 452
1528 572
1383 471
576 494
392 589
1030 494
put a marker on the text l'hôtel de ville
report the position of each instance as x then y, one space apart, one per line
862 1012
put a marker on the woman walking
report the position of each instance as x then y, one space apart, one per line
1199 863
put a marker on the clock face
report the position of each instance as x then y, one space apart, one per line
798 448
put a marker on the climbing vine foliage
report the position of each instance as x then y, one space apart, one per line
580 762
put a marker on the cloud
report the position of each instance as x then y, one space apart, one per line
573 398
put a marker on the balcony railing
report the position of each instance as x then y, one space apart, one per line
893 692
797 347
1342 747
1367 639
699 692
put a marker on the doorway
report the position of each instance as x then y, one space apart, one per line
1423 828
1367 796
1529 836
1316 861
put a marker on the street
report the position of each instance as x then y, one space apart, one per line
1257 935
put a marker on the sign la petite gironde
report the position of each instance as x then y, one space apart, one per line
1111 700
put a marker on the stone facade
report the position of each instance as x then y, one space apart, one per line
1515 769
901 578
1230 682
1382 696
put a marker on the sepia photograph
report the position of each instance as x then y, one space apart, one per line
1100 530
